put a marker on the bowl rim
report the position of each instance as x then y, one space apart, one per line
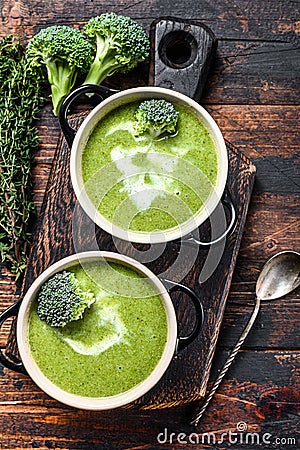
162 235
84 402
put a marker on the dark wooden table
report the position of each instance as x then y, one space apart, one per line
253 94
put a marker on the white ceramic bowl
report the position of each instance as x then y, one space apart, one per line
83 402
139 94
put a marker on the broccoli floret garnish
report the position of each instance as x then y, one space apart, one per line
61 300
65 53
120 45
155 117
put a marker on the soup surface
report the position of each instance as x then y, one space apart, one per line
145 184
116 344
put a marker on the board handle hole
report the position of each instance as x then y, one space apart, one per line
178 49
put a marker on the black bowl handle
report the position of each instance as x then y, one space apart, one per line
182 51
102 93
227 201
11 312
184 341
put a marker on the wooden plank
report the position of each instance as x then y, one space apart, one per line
248 46
270 229
241 73
258 397
258 131
273 20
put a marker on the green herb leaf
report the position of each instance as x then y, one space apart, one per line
20 101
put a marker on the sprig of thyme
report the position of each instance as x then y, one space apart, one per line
20 101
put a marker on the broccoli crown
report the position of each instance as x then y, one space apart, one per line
120 44
61 300
61 43
65 53
156 117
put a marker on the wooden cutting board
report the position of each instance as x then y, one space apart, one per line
187 376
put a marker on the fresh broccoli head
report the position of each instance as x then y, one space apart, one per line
155 117
65 53
120 45
61 300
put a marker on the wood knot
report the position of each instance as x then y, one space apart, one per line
14 14
15 17
271 244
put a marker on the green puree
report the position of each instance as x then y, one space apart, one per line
143 184
116 344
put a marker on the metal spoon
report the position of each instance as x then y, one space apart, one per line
279 276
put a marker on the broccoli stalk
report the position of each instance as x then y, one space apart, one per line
120 45
65 53
61 78
155 117
61 300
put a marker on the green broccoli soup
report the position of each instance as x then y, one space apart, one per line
115 345
144 183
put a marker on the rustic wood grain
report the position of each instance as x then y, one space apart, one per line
260 403
258 57
253 94
276 21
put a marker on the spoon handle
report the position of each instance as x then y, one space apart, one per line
227 364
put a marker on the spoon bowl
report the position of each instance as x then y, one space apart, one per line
279 276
